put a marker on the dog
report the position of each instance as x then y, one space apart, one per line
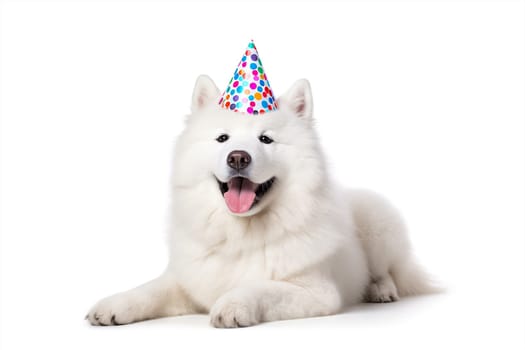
258 230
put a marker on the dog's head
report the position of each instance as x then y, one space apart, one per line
254 161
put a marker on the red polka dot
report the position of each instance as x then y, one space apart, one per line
228 104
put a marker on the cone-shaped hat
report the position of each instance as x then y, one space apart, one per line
249 90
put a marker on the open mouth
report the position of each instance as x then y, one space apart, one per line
241 194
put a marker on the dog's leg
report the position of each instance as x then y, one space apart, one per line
393 270
382 290
158 298
274 300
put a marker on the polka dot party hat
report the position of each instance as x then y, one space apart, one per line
249 91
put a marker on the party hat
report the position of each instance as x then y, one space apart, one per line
249 90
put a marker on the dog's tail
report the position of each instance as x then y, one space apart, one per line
411 279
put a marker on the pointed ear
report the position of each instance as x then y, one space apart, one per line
298 99
204 93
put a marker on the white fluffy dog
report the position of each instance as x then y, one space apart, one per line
259 232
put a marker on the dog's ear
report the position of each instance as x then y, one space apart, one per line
204 93
298 99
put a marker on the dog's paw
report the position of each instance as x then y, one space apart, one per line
382 291
234 310
115 310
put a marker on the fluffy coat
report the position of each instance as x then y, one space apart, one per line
307 248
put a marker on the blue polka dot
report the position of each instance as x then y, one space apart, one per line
264 104
232 106
243 58
260 89
270 100
239 104
253 65
261 82
236 76
250 97
239 89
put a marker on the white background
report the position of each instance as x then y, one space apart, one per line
424 102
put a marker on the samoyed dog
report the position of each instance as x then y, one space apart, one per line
260 232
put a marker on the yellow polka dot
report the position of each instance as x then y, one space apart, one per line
257 96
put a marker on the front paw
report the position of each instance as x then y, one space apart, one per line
234 310
115 310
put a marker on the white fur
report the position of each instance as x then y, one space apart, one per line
309 248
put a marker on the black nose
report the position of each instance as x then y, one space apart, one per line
238 160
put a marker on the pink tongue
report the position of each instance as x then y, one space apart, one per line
240 195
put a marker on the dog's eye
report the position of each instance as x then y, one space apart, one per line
265 139
222 138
